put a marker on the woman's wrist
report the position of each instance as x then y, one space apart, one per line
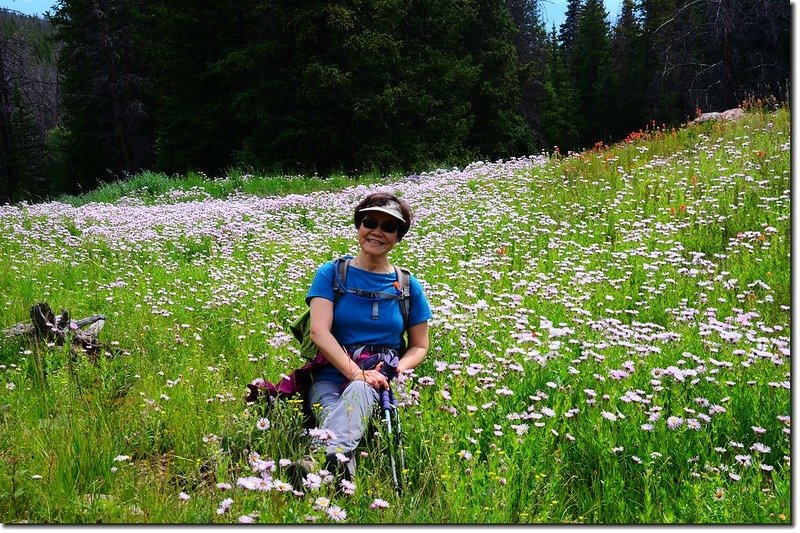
358 372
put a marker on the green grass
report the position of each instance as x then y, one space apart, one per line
153 187
669 253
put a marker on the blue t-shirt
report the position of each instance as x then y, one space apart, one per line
353 323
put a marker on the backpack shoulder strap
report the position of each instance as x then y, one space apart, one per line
404 280
341 265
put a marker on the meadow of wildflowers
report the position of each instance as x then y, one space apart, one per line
610 344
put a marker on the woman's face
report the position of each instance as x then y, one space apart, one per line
377 241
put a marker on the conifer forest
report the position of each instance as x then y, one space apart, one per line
99 90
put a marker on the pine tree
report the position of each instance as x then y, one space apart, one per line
657 40
499 130
358 85
592 74
530 35
379 135
531 43
415 112
28 155
558 109
195 126
569 29
628 63
712 55
105 103
28 105
9 173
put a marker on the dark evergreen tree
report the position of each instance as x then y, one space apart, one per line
420 114
195 125
658 38
28 105
558 109
568 31
295 104
592 74
8 169
28 154
381 137
712 54
105 90
531 43
628 64
498 130
357 85
531 34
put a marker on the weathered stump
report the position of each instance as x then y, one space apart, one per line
82 334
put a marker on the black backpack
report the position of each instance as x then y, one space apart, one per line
301 327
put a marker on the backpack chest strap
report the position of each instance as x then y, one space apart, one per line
402 290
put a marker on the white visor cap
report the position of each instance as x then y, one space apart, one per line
391 208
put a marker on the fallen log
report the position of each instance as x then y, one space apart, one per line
83 334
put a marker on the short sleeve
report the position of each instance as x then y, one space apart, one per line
420 310
322 285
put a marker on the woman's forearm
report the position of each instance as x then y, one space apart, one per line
339 358
412 358
335 354
418 344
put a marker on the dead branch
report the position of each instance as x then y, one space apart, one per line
82 334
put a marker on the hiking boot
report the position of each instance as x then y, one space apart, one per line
298 470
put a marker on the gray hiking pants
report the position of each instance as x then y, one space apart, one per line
345 413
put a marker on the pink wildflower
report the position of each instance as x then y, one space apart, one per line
674 422
336 513
379 504
281 486
348 487
224 506
321 503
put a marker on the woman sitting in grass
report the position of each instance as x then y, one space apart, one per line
362 323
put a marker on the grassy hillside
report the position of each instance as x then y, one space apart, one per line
610 343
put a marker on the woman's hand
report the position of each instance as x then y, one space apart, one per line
374 378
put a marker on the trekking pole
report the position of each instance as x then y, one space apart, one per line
388 410
398 437
390 416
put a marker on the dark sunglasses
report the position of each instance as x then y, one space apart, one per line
388 227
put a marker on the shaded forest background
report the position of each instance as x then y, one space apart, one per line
100 90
